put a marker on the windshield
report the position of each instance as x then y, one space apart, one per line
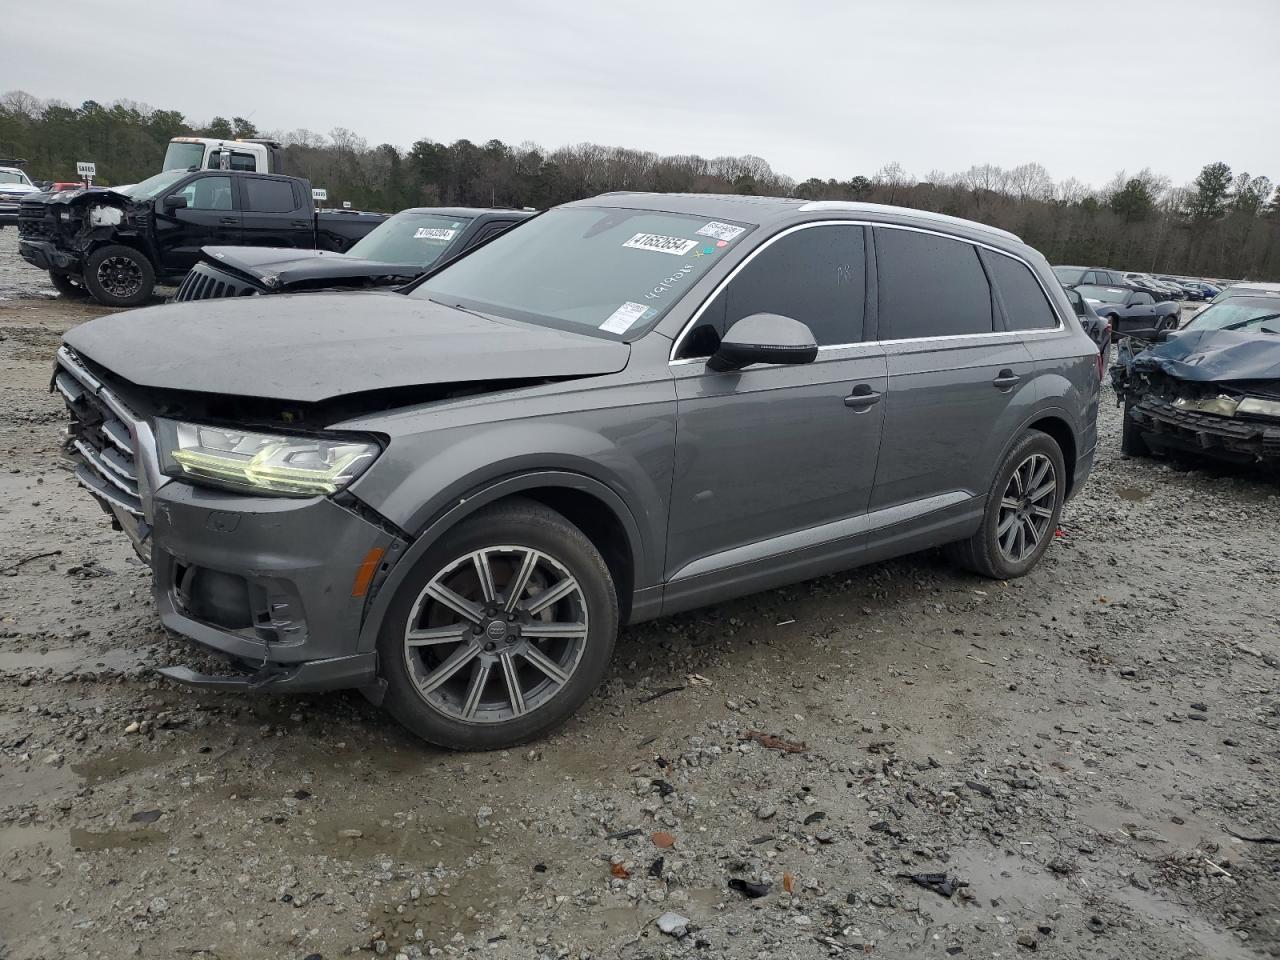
1104 294
606 272
181 156
1069 275
152 187
1238 313
413 238
14 176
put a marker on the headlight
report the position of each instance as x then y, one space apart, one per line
1259 407
261 463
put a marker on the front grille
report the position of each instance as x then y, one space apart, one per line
34 221
102 443
205 282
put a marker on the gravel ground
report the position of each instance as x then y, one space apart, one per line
1088 754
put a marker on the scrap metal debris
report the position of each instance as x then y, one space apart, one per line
749 888
774 742
939 883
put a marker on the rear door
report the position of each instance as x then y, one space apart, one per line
210 218
276 213
774 463
958 381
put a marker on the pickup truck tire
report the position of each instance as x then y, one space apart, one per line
119 276
473 655
1023 506
65 285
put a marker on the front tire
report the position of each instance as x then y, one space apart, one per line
1023 506
1132 442
65 285
500 632
119 276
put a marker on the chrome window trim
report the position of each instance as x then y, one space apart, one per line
697 314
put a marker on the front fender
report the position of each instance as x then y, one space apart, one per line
643 557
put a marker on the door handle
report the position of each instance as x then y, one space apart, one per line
300 224
863 398
229 221
1006 380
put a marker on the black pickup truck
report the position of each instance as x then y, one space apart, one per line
118 244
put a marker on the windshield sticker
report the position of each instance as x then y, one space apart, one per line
705 251
721 231
621 319
434 233
676 246
657 292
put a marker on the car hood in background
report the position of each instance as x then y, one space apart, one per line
308 349
1215 355
277 268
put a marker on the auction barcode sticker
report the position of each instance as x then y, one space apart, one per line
620 320
721 231
433 233
676 246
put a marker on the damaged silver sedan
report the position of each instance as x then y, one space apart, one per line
1212 387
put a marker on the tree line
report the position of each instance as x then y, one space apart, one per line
1222 224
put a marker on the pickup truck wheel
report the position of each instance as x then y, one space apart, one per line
501 631
1023 506
65 286
119 276
1132 442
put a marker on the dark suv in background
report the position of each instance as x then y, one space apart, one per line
630 406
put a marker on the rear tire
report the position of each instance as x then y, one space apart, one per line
1022 512
119 276
486 667
66 286
1132 442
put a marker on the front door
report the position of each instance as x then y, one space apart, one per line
774 463
210 218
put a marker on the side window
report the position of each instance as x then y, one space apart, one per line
930 286
243 161
268 196
209 193
487 231
1142 299
1024 300
817 275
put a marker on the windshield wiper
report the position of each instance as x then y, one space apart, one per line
1244 323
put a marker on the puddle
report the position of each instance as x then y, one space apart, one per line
101 769
1009 880
1132 494
91 841
447 839
37 656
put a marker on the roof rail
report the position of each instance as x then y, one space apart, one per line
859 207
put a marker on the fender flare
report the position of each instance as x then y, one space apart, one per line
481 497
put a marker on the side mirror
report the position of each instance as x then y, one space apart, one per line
175 202
764 338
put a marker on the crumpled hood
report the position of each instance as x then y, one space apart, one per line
1214 355
279 267
308 348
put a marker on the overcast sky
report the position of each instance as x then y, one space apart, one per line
817 87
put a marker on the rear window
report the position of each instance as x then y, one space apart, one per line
1069 275
1024 301
930 286
268 196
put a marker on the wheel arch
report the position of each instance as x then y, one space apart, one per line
589 504
1063 434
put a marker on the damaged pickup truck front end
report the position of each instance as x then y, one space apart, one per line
56 232
1210 391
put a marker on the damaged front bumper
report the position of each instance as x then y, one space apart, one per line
279 585
45 255
1229 438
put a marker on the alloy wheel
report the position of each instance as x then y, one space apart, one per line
1026 508
496 634
120 276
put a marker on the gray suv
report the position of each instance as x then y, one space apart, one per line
453 496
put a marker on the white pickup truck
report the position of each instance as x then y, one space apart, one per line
208 153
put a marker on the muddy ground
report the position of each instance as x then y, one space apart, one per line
1085 749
